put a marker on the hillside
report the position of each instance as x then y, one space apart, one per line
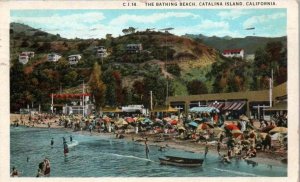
250 43
165 59
167 65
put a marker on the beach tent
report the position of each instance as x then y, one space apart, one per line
203 109
278 130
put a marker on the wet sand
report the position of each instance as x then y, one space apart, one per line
268 158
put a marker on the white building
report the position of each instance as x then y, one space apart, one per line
53 57
24 57
234 53
73 59
101 51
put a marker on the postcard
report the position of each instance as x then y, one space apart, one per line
163 90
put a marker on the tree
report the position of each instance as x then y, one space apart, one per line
196 87
125 31
97 86
131 30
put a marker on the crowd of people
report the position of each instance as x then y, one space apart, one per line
242 138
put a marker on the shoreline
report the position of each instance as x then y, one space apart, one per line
266 158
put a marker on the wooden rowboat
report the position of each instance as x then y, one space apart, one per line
181 161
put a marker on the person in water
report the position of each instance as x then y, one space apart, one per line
226 159
219 147
46 167
147 149
206 149
66 149
14 173
64 139
52 142
71 138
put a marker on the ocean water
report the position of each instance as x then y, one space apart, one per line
101 156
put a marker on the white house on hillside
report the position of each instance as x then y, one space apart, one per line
24 57
73 59
234 53
53 57
134 48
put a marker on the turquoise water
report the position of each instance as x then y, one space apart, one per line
100 156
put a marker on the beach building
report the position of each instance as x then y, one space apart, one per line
53 57
252 103
234 53
134 48
73 59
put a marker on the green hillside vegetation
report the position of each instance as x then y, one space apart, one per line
250 43
167 63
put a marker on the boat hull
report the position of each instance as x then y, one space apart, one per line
180 162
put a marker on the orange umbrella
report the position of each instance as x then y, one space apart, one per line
173 122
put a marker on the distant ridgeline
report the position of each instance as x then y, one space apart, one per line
138 62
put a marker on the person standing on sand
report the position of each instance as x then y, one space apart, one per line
206 149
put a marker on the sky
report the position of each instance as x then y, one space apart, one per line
210 22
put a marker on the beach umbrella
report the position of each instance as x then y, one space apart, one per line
181 128
277 136
263 135
279 130
267 129
244 117
203 126
140 119
194 124
198 120
167 119
158 120
147 121
231 127
173 122
129 119
218 130
236 133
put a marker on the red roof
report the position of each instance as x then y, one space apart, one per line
232 51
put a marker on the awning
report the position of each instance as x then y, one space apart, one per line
216 105
281 106
234 106
204 109
164 109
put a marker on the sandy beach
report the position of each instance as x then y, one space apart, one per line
268 157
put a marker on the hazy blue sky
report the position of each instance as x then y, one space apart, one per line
97 23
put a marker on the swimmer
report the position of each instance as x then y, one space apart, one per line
52 142
14 173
